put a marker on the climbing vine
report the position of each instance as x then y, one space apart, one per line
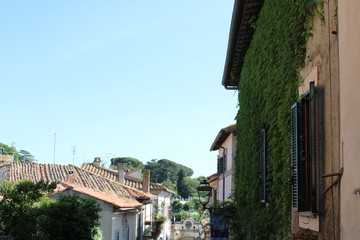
268 86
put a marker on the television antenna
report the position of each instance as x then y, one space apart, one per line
73 153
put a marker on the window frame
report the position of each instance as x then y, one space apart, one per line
303 153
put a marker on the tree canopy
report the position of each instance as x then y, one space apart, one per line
165 169
19 156
186 186
70 217
26 213
166 172
19 208
130 163
25 156
7 150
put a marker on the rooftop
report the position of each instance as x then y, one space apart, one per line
129 180
244 15
111 198
222 136
17 171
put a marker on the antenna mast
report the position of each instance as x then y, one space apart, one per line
74 152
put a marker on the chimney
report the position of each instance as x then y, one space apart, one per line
71 177
121 172
97 161
146 181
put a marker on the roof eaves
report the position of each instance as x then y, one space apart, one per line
103 196
240 36
85 167
222 136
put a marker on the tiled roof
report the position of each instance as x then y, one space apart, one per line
241 31
6 158
18 171
222 136
129 181
111 198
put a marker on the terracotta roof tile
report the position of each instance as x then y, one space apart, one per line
111 197
6 158
18 171
129 180
222 136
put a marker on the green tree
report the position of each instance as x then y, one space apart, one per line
192 184
19 208
191 209
156 172
177 206
130 163
182 215
25 156
183 188
188 206
26 213
186 186
170 185
19 156
165 169
70 217
7 150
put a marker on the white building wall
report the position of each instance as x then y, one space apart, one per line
124 226
164 204
148 212
229 144
228 186
230 151
220 190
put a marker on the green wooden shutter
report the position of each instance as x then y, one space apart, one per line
297 161
312 146
220 165
262 166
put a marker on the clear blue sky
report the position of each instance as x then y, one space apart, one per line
135 79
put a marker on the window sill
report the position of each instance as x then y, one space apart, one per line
308 214
309 220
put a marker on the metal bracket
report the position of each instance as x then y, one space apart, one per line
336 182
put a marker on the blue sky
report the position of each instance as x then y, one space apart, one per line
135 79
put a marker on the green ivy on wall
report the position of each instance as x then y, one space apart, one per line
268 86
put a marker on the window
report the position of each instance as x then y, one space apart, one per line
262 166
221 162
303 162
220 165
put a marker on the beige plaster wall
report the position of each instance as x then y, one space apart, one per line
349 61
322 60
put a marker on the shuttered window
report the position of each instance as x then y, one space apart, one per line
262 166
297 161
303 163
220 165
